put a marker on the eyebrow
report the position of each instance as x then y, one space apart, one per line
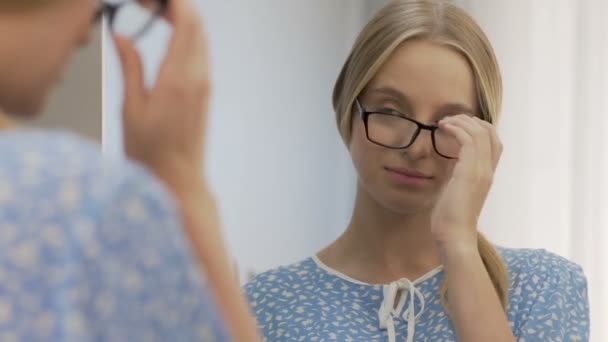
394 94
445 110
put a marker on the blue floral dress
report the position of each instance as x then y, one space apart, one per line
309 301
92 250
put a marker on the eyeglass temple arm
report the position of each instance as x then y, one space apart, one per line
161 9
109 9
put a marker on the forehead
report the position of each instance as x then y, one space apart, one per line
429 73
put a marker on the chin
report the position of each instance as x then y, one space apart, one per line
27 107
406 202
409 206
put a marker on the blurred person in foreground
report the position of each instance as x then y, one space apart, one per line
101 250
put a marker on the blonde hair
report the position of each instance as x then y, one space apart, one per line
444 23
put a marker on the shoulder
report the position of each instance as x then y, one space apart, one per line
273 281
68 213
548 294
67 174
28 147
273 293
269 290
539 266
60 182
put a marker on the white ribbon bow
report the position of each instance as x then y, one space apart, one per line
388 311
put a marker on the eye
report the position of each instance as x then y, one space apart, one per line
388 110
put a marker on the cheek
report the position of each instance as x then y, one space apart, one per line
71 28
50 68
444 168
367 157
73 22
30 72
81 10
34 76
84 16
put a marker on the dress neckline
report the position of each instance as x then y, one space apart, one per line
343 276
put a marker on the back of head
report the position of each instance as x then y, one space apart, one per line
441 22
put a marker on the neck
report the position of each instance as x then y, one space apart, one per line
381 245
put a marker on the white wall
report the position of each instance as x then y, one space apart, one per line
532 190
283 178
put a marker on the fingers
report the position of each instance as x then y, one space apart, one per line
455 127
185 68
132 70
480 137
478 140
188 43
175 9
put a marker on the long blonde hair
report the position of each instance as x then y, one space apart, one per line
444 23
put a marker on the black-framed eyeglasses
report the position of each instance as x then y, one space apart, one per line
130 18
395 131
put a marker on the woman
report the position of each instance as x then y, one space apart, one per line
416 104
94 250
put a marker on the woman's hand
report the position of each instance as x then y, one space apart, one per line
455 216
165 126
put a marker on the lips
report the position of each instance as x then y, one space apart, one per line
409 172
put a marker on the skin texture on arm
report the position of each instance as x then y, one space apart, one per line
474 305
473 302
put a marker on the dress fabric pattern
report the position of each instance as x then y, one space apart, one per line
92 249
308 301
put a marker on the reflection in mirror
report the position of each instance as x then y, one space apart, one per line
369 234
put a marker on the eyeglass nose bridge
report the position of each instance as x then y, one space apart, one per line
419 128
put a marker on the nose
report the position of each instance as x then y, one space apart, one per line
421 147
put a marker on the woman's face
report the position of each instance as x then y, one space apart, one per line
424 81
36 45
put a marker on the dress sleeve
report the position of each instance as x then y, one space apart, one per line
149 266
101 257
559 308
